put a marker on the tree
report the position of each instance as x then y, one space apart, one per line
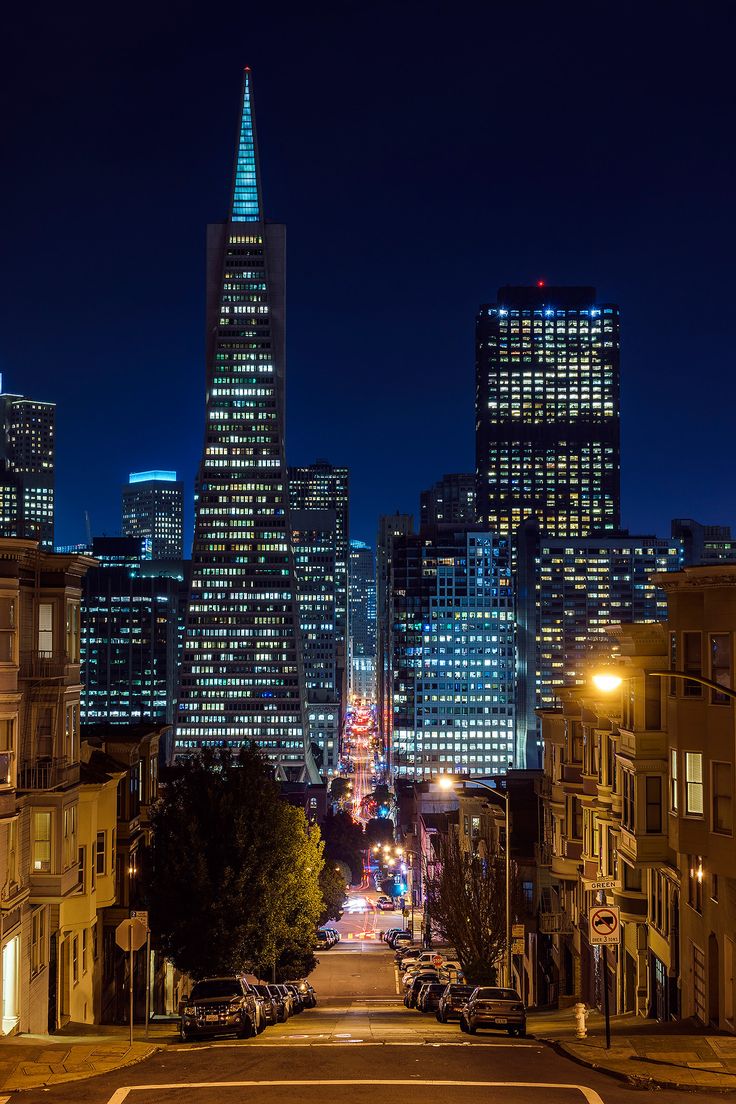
466 895
332 888
379 830
233 877
344 841
339 789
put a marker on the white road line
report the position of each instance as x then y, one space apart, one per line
4 1099
121 1095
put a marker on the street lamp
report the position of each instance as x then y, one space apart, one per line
448 782
607 681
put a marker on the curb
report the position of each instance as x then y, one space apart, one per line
85 1076
636 1081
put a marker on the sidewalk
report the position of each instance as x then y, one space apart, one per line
644 1052
33 1061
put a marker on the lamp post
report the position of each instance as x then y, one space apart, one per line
610 680
408 851
448 782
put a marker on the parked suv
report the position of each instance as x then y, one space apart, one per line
220 1006
491 1006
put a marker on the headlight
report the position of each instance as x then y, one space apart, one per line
233 1006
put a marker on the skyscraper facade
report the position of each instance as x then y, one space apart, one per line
242 677
704 544
547 411
27 452
453 661
568 592
362 599
390 528
451 501
153 508
322 486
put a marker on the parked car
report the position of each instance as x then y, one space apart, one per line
385 904
307 993
261 1016
429 996
416 983
281 1001
289 999
270 1007
453 1000
220 1006
324 940
491 1006
402 936
298 1002
334 933
385 936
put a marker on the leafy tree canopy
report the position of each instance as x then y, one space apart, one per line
344 841
233 877
332 887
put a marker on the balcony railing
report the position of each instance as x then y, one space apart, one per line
543 854
43 665
554 923
47 774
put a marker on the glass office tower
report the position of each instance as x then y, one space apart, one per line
242 675
547 411
27 449
153 508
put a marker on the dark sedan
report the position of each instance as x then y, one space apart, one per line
268 1004
281 1001
410 1000
429 996
453 1000
491 1006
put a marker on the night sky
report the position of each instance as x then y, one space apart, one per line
421 155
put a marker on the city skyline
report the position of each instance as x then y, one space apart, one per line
608 231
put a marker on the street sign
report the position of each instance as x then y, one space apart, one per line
517 931
517 946
605 926
140 915
130 935
602 883
437 961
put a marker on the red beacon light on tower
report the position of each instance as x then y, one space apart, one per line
540 283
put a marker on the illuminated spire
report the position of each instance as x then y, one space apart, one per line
246 205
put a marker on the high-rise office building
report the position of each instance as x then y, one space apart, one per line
453 654
390 528
313 539
547 411
132 627
704 544
567 594
451 501
322 486
242 677
153 508
362 620
27 451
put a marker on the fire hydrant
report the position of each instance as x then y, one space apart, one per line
581 1013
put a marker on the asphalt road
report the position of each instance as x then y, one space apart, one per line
359 1043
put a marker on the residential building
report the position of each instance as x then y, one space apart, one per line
133 612
153 509
453 654
27 458
242 677
322 486
547 411
568 591
313 540
52 812
704 544
451 501
390 527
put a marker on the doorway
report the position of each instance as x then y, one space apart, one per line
714 980
11 1011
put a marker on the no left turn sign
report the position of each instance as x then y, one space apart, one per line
604 926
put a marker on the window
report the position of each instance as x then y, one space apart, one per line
714 887
13 853
673 781
45 629
693 783
475 827
72 632
81 875
692 663
75 960
100 856
653 797
42 842
722 791
720 665
84 950
627 821
70 836
7 630
38 941
6 750
673 662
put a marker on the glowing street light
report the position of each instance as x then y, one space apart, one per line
606 681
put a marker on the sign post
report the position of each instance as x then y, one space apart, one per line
142 915
605 931
130 935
